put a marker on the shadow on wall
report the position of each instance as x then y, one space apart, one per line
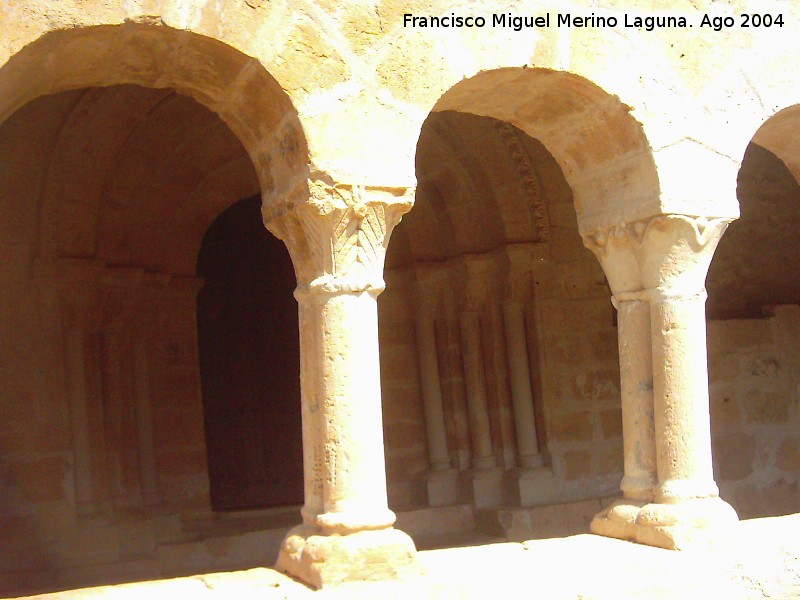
754 343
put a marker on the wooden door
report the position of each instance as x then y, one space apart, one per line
249 363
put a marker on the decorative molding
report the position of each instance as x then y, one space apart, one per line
527 174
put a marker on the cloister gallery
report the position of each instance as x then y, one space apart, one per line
593 287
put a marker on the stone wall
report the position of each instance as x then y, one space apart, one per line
103 453
486 206
577 344
754 373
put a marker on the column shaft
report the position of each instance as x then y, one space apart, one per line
482 455
636 383
521 393
112 415
682 421
438 454
144 424
354 485
310 393
79 415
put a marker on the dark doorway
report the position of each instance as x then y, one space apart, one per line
249 363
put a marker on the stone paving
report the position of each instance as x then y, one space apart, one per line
759 558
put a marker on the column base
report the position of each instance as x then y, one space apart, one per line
321 560
485 487
442 487
529 487
671 526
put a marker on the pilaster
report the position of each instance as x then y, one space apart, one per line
442 479
484 480
77 286
533 483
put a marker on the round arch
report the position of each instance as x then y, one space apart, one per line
778 134
748 275
235 86
131 379
601 149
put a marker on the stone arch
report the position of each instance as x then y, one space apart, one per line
748 274
235 86
115 329
601 149
543 157
754 319
119 152
776 134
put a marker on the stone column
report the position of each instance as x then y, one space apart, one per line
337 240
484 481
532 482
144 423
480 429
76 303
521 393
636 389
142 325
657 270
442 479
121 299
431 393
76 282
638 430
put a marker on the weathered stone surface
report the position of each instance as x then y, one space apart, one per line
126 128
571 427
734 455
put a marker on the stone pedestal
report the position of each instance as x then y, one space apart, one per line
484 487
531 487
442 487
337 241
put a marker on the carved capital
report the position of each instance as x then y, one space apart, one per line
432 281
482 280
76 281
670 253
338 237
119 298
520 279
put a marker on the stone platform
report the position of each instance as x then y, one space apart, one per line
759 558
